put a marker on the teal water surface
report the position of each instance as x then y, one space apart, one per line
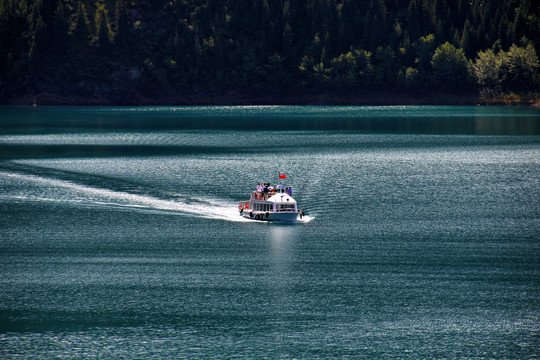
120 236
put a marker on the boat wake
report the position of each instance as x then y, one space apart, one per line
305 219
39 188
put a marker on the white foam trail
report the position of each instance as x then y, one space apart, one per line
305 219
208 208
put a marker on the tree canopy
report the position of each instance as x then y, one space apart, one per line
120 48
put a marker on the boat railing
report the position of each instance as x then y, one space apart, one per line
244 205
257 195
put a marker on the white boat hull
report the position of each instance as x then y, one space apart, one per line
272 216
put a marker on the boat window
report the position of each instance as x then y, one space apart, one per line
285 207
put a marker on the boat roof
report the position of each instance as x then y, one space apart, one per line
282 198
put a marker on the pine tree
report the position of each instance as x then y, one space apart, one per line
121 27
38 45
468 39
102 24
349 30
520 25
441 21
60 26
40 30
423 48
383 61
287 44
414 20
376 29
81 27
327 49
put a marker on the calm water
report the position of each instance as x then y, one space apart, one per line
120 237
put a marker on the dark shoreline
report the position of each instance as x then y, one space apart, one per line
277 98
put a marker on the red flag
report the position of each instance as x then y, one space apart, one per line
282 176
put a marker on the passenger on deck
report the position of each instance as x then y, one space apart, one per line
259 187
289 191
265 192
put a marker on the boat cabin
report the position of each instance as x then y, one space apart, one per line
278 202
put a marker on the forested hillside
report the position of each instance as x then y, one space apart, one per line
122 51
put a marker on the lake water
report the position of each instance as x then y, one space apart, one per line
120 236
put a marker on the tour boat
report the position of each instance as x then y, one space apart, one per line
274 205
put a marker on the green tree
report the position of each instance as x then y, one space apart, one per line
440 20
306 67
520 25
287 44
14 45
520 67
423 49
408 78
351 69
327 49
414 19
468 39
487 70
321 73
383 66
121 33
60 27
102 24
450 67
276 73
81 26
376 29
348 27
39 41
48 28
